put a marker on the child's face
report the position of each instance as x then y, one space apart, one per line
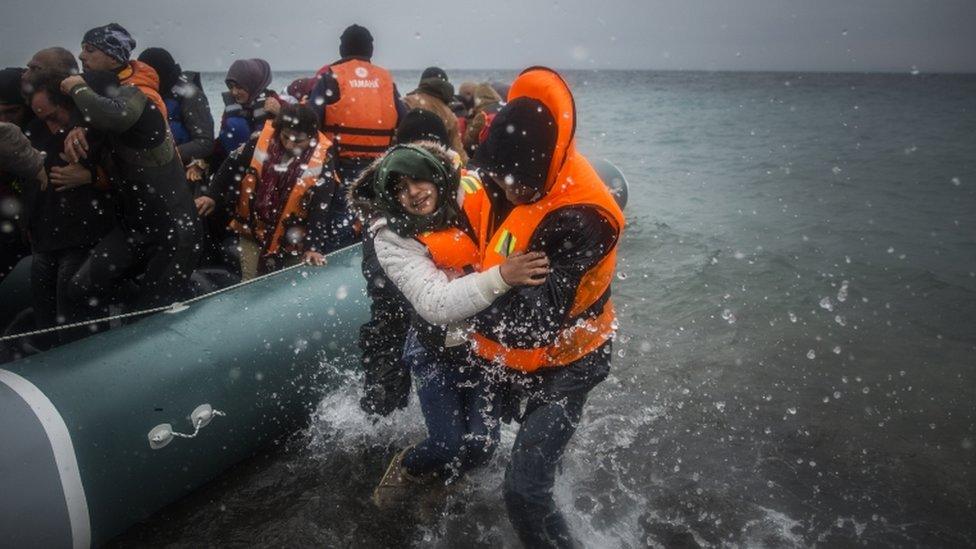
418 197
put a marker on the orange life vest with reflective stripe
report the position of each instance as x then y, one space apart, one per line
294 213
571 181
453 249
362 122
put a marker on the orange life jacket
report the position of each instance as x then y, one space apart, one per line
362 122
144 77
295 211
571 181
453 249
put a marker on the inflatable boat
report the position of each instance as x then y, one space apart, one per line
102 432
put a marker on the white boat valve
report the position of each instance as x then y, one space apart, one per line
201 416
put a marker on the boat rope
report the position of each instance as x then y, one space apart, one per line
173 308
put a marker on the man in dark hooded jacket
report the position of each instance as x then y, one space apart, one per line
553 339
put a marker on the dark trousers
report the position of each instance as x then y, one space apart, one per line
555 404
344 230
12 250
51 273
158 271
460 409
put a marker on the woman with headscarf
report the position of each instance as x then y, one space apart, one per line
244 104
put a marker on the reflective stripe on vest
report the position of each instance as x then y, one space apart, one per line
294 211
362 122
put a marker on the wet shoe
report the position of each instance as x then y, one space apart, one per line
396 485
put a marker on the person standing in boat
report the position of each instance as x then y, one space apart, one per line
14 149
155 246
280 185
486 103
359 108
423 214
554 339
66 219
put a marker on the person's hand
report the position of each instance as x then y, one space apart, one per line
76 145
272 105
312 257
194 173
70 176
205 205
41 177
70 82
525 269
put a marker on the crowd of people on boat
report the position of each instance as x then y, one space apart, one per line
489 242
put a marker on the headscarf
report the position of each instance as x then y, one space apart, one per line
254 75
167 68
415 162
113 40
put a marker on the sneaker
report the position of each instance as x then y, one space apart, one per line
396 485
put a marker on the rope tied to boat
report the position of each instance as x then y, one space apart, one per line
171 308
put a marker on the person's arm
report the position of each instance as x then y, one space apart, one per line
435 297
111 114
401 107
199 122
226 181
325 93
575 239
17 157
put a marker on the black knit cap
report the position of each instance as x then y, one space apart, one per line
434 72
421 125
356 41
10 86
520 143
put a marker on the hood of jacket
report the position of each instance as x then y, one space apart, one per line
370 206
545 85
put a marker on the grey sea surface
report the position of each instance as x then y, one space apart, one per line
795 361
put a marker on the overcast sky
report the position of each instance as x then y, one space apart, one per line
818 35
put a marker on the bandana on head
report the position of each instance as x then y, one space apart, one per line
112 40
417 163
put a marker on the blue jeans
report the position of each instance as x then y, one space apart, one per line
460 409
555 400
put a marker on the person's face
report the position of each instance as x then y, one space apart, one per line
94 59
418 197
35 64
47 111
294 141
515 192
13 114
239 93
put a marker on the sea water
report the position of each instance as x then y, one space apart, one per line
795 362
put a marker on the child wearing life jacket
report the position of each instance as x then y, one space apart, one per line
425 243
